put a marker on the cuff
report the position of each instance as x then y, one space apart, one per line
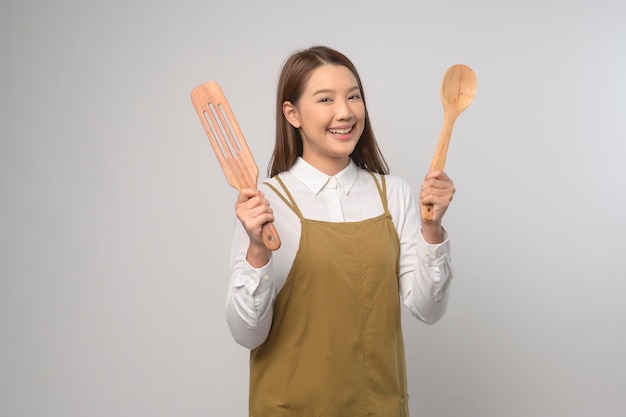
255 280
434 254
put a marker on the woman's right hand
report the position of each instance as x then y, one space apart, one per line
253 211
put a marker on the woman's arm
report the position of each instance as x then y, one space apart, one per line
250 294
425 262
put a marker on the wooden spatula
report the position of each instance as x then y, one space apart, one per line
229 145
458 89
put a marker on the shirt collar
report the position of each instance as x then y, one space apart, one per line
316 180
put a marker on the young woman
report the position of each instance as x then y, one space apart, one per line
321 315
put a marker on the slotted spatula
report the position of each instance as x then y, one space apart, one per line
229 145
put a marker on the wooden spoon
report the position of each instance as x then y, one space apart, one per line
458 89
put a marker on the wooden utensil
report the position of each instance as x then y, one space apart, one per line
229 145
458 89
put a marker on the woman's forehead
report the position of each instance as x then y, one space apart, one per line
331 77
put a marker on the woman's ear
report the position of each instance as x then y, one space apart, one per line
291 114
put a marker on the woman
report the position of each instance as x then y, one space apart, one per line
322 313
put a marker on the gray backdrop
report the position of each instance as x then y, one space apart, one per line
116 220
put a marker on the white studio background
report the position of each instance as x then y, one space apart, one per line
116 221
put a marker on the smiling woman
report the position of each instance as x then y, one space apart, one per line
321 315
113 211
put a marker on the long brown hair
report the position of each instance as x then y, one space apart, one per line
291 84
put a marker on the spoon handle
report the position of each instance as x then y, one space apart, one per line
439 159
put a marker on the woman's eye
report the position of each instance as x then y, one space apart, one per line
324 100
355 97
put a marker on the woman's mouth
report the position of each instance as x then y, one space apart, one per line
341 132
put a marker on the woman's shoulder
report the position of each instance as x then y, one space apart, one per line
285 177
279 184
394 183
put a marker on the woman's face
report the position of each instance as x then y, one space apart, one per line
330 115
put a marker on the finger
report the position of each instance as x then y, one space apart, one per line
436 200
258 210
255 203
438 188
444 191
246 194
254 225
438 179
436 196
437 174
438 183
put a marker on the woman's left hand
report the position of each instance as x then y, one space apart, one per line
438 190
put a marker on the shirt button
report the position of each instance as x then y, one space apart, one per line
266 278
427 253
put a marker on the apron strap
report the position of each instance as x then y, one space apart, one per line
382 190
291 203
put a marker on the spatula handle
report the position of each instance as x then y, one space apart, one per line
427 212
270 236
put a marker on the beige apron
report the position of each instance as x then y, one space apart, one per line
335 348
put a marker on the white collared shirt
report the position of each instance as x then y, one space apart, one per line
351 195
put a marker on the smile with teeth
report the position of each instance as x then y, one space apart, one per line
343 131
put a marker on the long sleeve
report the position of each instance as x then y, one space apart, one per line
424 290
251 295
425 269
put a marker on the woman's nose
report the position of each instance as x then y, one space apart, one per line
344 111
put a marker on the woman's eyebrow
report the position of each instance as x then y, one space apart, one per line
328 90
